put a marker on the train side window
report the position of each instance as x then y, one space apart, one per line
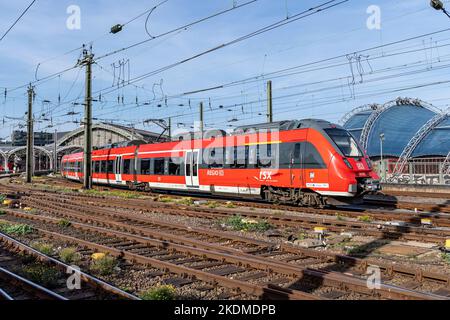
126 166
103 166
312 158
145 166
264 154
241 156
229 157
96 166
216 158
174 167
110 166
158 166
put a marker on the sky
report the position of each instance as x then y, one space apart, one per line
43 43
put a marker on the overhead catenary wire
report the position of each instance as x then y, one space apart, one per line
54 75
17 20
301 15
184 27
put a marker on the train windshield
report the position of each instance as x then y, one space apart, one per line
345 142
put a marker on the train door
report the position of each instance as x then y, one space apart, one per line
297 172
77 168
118 169
191 168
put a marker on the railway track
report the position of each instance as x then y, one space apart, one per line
436 219
251 249
16 261
333 224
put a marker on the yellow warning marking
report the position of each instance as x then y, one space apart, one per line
267 142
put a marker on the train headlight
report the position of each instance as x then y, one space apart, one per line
348 164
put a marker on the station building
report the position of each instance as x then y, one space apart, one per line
407 139
12 156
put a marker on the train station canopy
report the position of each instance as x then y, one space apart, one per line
408 127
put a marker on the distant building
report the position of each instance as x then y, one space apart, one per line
19 138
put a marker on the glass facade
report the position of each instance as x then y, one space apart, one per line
399 124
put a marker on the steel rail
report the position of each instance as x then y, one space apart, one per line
328 278
90 280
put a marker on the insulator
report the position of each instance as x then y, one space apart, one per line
117 28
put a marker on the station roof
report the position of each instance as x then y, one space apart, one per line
404 122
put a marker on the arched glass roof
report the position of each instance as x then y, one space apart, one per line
399 123
436 143
356 123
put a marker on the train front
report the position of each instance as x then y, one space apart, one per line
352 170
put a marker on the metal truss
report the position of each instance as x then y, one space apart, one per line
416 140
349 115
446 165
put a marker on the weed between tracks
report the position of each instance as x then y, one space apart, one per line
365 218
69 255
64 223
238 223
15 229
446 257
104 265
161 292
45 248
43 274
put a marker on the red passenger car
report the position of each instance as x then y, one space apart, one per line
305 162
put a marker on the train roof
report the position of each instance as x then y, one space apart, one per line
287 125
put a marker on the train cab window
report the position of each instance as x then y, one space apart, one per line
127 166
158 166
286 152
174 167
145 166
110 166
345 142
312 158
297 151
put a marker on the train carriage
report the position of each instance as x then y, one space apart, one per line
306 162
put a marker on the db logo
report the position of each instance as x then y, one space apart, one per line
360 166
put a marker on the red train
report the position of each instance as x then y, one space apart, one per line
305 162
10 167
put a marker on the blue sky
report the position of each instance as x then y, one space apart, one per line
326 92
